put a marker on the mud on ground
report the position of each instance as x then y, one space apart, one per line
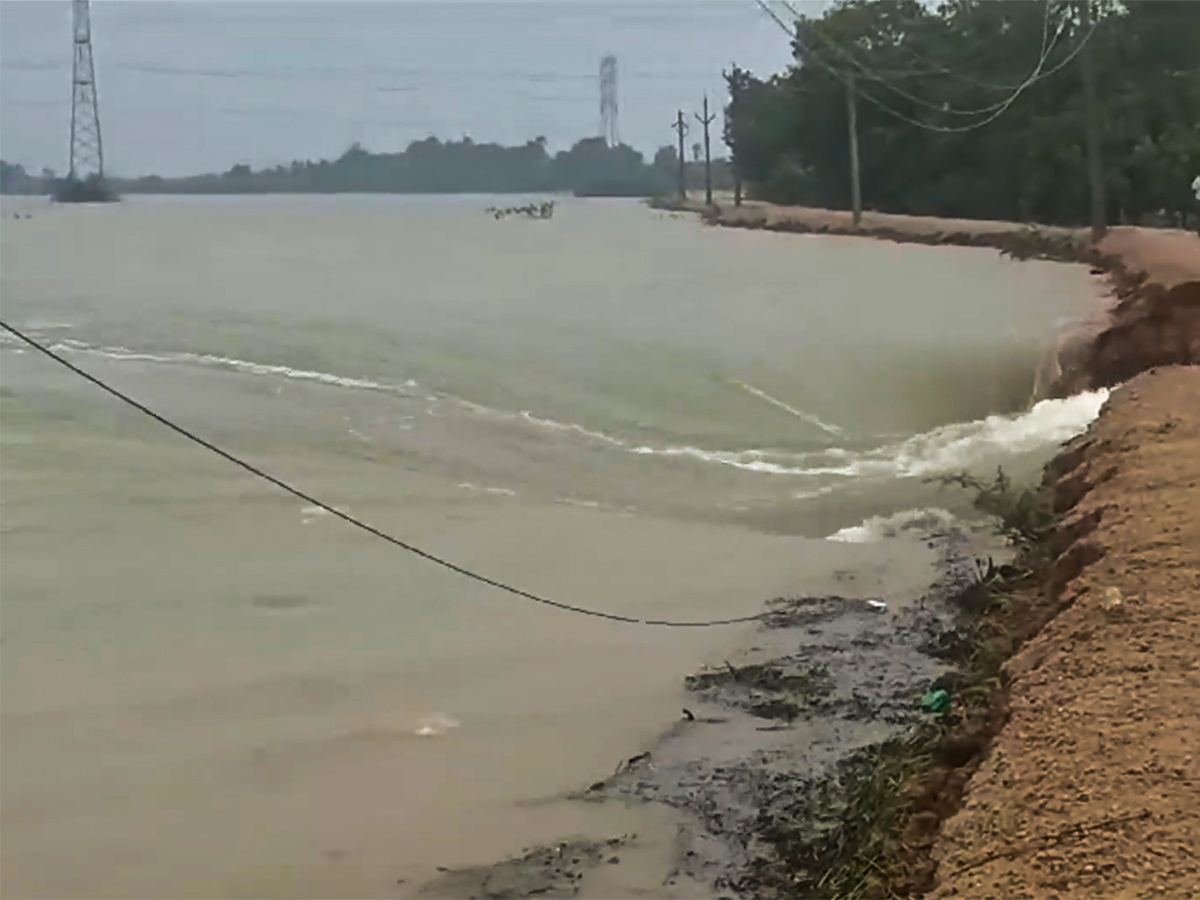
770 748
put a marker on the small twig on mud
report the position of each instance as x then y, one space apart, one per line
1053 837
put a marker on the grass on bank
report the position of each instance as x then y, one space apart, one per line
903 790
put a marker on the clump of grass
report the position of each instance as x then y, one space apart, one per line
856 859
872 823
1024 513
897 794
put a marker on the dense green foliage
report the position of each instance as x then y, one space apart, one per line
953 66
431 166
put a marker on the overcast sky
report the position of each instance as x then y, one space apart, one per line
199 86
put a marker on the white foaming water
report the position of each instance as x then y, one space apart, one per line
124 354
498 491
585 504
962 444
435 725
942 449
568 426
798 413
955 446
877 528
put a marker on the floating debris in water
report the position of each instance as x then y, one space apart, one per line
529 211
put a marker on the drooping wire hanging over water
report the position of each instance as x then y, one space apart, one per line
358 523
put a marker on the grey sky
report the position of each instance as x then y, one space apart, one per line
188 87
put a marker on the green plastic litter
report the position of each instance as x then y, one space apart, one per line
936 701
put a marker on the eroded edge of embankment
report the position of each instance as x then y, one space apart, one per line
1013 622
1154 275
1093 789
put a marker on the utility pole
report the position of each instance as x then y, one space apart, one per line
1087 71
680 127
706 120
735 82
852 117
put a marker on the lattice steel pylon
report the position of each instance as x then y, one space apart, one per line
608 101
87 150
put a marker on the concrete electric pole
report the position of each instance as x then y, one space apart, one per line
680 127
706 120
852 119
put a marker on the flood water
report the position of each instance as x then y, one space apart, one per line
211 688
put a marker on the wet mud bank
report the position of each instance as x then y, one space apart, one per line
765 768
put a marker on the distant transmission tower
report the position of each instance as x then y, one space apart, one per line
87 150
608 100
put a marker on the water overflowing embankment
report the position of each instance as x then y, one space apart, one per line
578 408
1153 318
807 767
1059 773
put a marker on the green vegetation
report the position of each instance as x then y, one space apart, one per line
901 791
954 65
430 166
92 189
1023 514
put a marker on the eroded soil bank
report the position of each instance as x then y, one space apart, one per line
1092 788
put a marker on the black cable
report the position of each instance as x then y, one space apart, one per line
357 523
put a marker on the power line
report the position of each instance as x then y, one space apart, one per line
358 523
1044 54
934 68
292 72
945 129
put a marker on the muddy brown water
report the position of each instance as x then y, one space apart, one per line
211 690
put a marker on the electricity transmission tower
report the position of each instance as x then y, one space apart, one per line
87 150
608 100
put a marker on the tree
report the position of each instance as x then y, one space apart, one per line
425 166
666 159
930 66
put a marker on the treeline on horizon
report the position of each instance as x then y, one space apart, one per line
430 166
790 141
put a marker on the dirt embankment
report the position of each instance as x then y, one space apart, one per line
1155 275
1155 320
1092 788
